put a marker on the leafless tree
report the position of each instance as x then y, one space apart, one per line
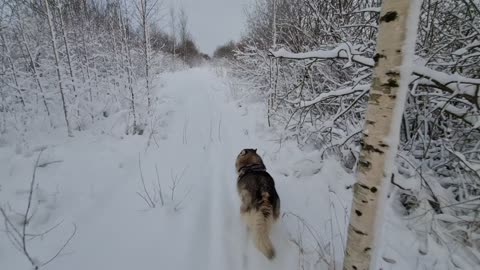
53 36
183 33
20 236
173 30
376 155
146 9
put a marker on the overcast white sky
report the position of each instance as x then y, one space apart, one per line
213 22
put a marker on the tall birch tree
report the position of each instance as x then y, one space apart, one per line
183 32
381 127
53 37
145 10
173 23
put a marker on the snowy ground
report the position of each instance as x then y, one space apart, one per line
92 182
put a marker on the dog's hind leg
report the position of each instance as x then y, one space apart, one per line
246 200
263 219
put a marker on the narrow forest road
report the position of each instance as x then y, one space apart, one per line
200 131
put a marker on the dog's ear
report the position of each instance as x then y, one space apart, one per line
243 153
255 150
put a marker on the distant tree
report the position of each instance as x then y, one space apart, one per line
184 34
128 67
53 37
205 56
159 40
173 45
189 52
145 9
225 51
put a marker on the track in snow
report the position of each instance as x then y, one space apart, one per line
215 134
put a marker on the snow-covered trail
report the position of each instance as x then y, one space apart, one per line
212 134
95 179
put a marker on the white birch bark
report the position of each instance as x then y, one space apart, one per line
146 48
373 167
174 35
274 25
34 71
57 65
129 69
14 70
67 49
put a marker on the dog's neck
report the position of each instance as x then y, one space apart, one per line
251 168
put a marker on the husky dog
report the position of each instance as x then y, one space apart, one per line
260 204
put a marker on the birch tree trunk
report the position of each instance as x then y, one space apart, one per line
69 58
378 143
183 32
67 50
174 35
116 65
128 67
14 70
4 114
57 64
86 27
274 25
34 71
146 51
23 115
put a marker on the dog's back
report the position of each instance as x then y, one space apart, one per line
260 202
261 187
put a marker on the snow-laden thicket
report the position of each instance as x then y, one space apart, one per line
67 64
312 61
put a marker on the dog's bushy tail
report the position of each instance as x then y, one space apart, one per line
263 224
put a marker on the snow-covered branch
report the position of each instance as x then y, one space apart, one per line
462 113
342 51
336 93
453 83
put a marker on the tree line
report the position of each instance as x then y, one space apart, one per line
71 63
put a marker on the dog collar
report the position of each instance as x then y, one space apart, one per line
251 168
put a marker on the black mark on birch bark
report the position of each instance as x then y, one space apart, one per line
365 164
392 73
389 16
371 148
359 232
377 57
391 83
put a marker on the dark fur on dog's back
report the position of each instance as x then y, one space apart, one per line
260 203
258 183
